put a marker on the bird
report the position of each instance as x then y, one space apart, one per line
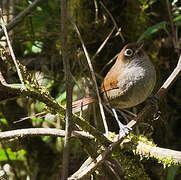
129 82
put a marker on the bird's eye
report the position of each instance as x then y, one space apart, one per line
128 52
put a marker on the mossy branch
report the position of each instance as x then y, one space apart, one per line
35 91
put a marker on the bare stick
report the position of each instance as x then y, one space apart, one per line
20 16
42 114
171 79
68 125
103 44
11 49
110 61
92 74
41 132
174 36
96 11
113 20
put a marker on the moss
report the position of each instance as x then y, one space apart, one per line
132 166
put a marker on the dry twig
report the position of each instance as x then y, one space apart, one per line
11 49
174 35
103 44
20 16
92 74
113 20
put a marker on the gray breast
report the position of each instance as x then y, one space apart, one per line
136 83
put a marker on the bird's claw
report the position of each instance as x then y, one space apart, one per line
124 131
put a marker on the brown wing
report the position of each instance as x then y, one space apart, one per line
108 84
111 80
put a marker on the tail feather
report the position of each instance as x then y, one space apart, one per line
82 104
77 106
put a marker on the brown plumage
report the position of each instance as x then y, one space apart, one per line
130 80
128 83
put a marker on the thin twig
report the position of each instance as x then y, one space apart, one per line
174 35
113 20
96 11
171 79
20 16
105 66
92 73
68 125
115 167
43 113
103 44
10 48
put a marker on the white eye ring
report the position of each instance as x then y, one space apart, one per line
128 52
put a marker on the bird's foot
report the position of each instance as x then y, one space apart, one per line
124 130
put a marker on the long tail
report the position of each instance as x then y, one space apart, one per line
77 106
82 104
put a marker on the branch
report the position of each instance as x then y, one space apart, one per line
92 74
174 35
41 132
40 93
165 156
68 77
103 44
142 148
20 16
10 48
96 162
114 22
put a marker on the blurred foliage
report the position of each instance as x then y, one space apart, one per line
7 154
36 43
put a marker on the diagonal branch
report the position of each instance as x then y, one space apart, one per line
11 49
42 95
92 74
113 20
20 16
174 34
103 44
